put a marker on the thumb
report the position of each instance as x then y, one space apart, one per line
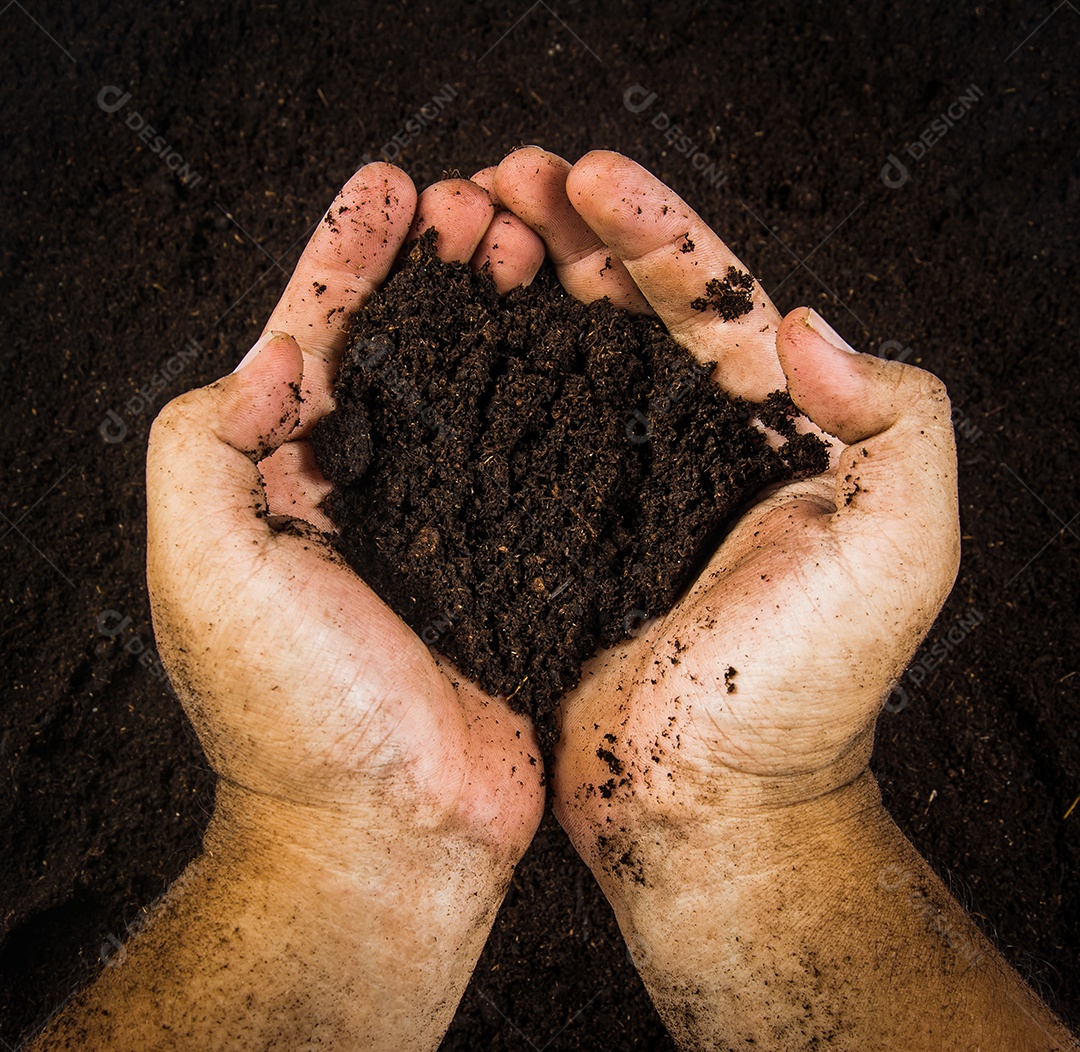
204 489
896 479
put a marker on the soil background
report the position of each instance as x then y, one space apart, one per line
129 274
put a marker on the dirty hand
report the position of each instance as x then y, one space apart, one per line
371 802
713 770
761 687
304 687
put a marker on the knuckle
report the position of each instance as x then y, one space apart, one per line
176 416
935 390
921 394
929 389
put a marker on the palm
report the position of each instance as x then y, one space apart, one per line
369 710
740 681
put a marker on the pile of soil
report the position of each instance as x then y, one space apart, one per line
524 478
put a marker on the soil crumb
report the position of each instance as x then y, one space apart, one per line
526 478
731 297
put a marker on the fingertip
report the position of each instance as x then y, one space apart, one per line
460 211
532 183
522 172
349 254
260 401
596 168
399 196
273 350
815 321
850 395
594 158
823 379
257 347
512 252
531 154
390 174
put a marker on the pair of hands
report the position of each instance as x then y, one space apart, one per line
306 688
340 739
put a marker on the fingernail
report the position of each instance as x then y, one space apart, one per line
816 322
260 343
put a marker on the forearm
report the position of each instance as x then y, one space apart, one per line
830 930
254 948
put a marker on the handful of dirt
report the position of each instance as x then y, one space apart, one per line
526 478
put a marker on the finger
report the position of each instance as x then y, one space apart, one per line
460 211
469 228
348 257
899 464
510 250
532 183
671 254
295 486
204 489
486 178
208 524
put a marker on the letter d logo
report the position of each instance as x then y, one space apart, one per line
111 98
895 173
897 699
113 428
638 98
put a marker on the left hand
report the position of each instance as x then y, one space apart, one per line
371 802
327 720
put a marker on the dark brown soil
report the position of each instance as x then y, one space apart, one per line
122 284
526 478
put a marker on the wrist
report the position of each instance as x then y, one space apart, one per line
820 924
278 937
676 882
355 847
431 886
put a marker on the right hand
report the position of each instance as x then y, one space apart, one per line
759 690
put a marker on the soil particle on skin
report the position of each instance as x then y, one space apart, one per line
613 762
521 477
731 297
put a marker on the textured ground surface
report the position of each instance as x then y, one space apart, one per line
122 285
